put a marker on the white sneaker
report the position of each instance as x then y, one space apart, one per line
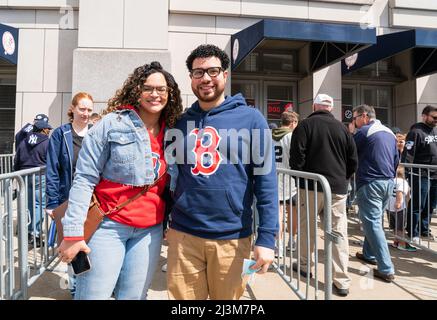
164 268
416 240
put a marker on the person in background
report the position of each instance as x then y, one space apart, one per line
321 144
378 159
64 145
397 209
421 148
28 127
31 153
286 188
94 118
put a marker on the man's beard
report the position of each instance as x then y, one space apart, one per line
208 98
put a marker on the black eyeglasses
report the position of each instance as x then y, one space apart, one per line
354 118
161 90
212 72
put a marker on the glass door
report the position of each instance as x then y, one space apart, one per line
380 97
278 97
249 89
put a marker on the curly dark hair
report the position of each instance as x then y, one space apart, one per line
206 51
130 93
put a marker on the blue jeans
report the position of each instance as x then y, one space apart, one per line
123 260
421 189
36 212
372 198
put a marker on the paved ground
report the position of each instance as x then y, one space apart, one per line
416 278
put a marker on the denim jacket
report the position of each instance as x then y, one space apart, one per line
118 149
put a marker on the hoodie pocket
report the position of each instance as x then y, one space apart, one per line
210 209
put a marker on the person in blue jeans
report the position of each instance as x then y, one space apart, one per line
31 153
421 148
121 155
377 162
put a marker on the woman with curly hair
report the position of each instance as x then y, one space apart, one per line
123 153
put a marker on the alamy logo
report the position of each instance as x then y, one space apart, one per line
33 139
207 156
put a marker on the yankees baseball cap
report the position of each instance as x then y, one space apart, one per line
41 124
41 116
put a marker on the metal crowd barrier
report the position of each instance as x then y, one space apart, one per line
290 250
22 259
401 224
419 209
6 163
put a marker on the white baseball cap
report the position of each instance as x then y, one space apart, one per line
324 99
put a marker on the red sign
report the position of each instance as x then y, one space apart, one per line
276 108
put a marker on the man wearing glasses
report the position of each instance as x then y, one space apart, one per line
211 222
421 148
377 162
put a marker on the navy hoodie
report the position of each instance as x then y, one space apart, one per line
215 189
31 151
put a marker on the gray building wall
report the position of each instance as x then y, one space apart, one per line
67 46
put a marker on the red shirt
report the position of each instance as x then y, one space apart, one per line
146 211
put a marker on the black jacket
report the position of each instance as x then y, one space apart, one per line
322 144
31 151
421 146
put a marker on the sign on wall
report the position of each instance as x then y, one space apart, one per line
9 38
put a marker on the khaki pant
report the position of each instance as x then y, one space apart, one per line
198 268
340 251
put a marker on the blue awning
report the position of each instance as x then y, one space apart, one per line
9 40
329 42
421 42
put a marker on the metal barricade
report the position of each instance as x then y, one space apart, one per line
414 225
6 163
23 258
307 205
401 224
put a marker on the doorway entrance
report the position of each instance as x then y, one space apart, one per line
378 96
271 97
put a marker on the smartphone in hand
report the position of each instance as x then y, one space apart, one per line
81 263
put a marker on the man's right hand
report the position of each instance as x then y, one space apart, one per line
69 249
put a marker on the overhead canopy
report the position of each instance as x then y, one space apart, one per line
421 42
9 40
329 42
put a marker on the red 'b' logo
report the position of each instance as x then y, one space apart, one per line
207 157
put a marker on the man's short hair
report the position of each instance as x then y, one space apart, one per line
364 108
95 115
428 109
207 51
287 117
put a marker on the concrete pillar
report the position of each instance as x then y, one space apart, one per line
115 37
328 81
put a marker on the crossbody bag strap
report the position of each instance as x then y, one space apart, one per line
125 203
